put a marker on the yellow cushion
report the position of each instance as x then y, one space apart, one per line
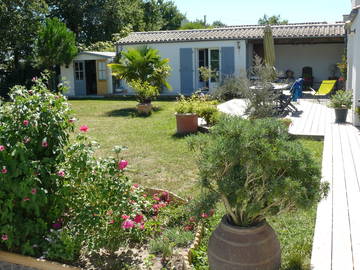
325 88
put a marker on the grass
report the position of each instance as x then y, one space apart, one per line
157 158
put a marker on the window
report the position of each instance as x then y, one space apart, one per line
101 70
79 71
210 58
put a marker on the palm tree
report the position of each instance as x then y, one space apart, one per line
143 64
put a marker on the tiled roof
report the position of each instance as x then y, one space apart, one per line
287 31
103 54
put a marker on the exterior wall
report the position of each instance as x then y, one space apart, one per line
67 75
172 51
321 57
353 80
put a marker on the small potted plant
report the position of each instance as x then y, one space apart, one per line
186 115
341 101
145 93
256 170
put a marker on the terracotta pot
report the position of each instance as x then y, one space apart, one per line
186 123
144 108
238 248
340 115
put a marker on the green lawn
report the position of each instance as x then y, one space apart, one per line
157 157
160 159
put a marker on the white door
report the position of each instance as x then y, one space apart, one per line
209 58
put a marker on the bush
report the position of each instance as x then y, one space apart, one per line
145 92
34 129
341 100
256 170
231 87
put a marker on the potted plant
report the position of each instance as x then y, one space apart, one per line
256 171
341 101
186 115
145 93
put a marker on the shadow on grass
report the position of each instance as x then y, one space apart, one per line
125 112
177 136
132 112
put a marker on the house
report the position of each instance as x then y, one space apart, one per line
353 57
230 51
88 74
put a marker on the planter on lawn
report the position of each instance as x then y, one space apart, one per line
340 115
186 123
239 248
144 108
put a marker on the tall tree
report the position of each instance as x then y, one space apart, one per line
20 21
275 19
55 45
218 24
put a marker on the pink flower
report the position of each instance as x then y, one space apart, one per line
27 140
57 225
192 219
138 219
125 217
33 191
109 213
44 143
204 215
72 120
156 197
128 224
112 221
61 173
84 128
122 164
135 185
4 170
30 92
4 237
165 196
2 148
34 79
142 226
188 228
26 122
26 199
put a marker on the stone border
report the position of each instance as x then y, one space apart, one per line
188 253
173 197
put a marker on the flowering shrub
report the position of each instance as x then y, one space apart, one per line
34 128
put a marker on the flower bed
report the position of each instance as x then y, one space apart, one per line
60 202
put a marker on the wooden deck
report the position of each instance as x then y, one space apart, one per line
336 243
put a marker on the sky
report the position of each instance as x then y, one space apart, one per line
238 12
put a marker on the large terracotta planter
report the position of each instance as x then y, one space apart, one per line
237 248
340 115
144 108
186 123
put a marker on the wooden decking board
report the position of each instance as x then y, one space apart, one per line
336 244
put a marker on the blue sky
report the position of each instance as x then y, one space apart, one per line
237 12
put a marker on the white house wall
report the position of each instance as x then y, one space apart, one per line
172 51
321 57
353 80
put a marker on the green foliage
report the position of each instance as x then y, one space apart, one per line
55 44
231 87
342 66
256 169
200 105
198 24
218 24
100 46
143 64
342 99
145 92
273 20
62 247
34 129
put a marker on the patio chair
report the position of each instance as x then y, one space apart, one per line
285 100
325 88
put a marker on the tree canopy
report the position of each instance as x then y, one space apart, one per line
55 44
275 19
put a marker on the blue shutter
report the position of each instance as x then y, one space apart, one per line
227 61
186 71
